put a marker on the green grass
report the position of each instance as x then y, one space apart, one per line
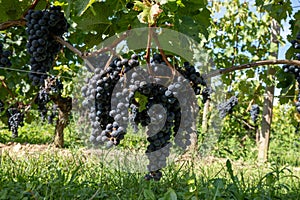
39 133
73 174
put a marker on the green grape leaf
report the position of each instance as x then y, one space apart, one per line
169 195
142 100
84 6
12 9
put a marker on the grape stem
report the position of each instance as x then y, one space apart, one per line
147 56
69 46
164 57
161 51
250 65
12 23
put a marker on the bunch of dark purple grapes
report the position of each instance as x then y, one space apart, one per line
124 93
41 26
295 69
227 106
15 120
254 112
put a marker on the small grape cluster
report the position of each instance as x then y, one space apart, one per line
15 120
190 73
42 100
295 69
227 107
113 134
53 86
53 114
41 26
4 57
254 112
206 92
295 43
98 92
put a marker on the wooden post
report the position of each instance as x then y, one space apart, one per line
264 136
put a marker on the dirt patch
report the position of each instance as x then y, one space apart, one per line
17 147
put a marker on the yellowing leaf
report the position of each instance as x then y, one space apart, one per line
63 68
138 6
143 16
142 101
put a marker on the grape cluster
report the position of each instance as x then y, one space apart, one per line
123 93
55 85
41 26
295 43
42 100
295 69
206 92
15 120
4 57
160 127
53 114
227 107
113 133
254 112
98 92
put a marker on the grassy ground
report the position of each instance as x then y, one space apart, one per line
31 171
